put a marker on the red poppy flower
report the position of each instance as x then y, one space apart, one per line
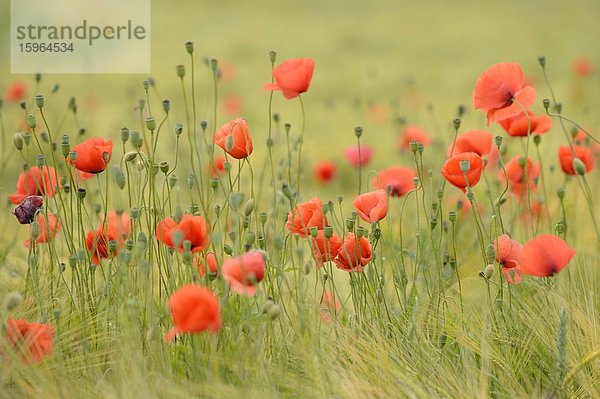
93 155
583 66
325 171
324 249
244 272
240 142
507 254
371 207
232 105
366 153
34 341
501 92
516 175
306 215
218 166
477 141
455 176
544 256
117 228
48 228
355 254
517 126
190 228
36 181
194 309
565 156
15 92
413 133
292 77
580 137
210 262
397 179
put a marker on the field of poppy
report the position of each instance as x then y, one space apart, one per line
414 215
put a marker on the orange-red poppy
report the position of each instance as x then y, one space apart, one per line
371 207
234 138
15 92
232 105
583 66
516 175
218 166
93 155
502 93
477 141
292 77
580 137
413 133
33 341
306 215
210 263
518 126
544 256
117 228
244 272
190 228
507 254
355 254
49 228
194 309
458 177
352 155
36 181
397 179
565 156
325 171
325 249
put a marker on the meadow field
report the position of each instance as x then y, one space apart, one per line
310 199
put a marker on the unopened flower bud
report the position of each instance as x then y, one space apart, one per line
249 207
18 141
227 248
119 177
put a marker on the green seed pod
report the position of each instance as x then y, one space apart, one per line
189 47
358 131
172 181
579 166
31 121
166 105
39 101
262 217
18 141
227 248
272 56
119 177
180 70
151 123
249 207
124 134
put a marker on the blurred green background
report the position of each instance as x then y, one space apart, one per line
375 61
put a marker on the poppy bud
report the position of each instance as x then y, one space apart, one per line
579 166
350 224
249 207
189 47
151 123
34 230
287 191
81 193
178 214
39 101
172 181
461 110
166 105
249 238
119 177
414 146
227 248
229 143
358 131
178 128
180 70
558 107
542 61
546 103
18 141
73 261
377 233
146 84
560 193
44 137
274 312
488 272
130 156
456 123
12 301
452 216
272 56
31 122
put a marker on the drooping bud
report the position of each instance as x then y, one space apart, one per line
579 166
18 141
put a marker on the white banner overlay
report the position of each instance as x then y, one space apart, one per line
74 36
